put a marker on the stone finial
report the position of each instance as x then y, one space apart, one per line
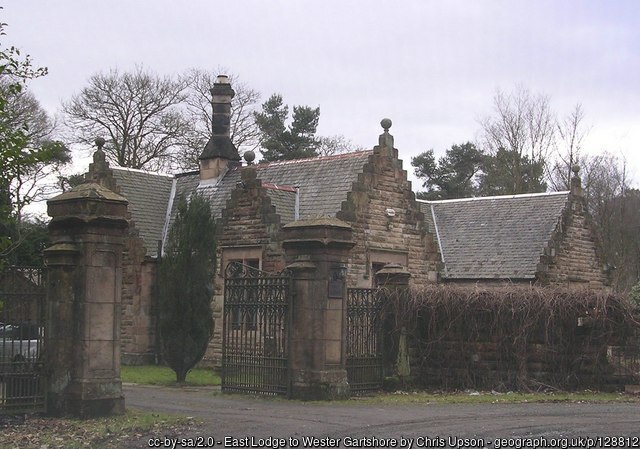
576 182
98 155
99 171
386 139
249 157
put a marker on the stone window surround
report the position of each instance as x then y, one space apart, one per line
240 253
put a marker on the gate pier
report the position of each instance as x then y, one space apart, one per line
317 252
82 341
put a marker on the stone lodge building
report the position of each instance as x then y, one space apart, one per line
539 238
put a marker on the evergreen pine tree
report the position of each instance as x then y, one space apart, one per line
185 279
295 141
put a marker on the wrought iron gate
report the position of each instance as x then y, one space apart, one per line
255 344
365 339
22 296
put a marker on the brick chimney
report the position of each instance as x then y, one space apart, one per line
220 153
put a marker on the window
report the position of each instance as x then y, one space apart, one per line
250 256
244 314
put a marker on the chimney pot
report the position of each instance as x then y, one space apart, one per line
220 153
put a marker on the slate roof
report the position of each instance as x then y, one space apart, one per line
480 238
148 194
322 182
284 199
499 237
217 194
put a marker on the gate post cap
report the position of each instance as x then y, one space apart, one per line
394 268
301 265
393 274
319 232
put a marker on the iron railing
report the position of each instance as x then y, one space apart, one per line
256 327
365 339
22 295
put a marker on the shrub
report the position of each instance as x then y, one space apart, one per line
514 337
185 278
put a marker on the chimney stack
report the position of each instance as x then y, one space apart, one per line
220 152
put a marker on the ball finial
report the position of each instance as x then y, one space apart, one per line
99 142
575 168
249 156
386 124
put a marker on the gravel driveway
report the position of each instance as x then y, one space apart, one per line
357 424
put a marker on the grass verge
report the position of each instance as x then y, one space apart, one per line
423 397
132 429
162 375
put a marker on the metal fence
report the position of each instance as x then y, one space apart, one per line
256 327
365 339
22 295
624 361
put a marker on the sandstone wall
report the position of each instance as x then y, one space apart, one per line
249 229
382 190
572 257
138 325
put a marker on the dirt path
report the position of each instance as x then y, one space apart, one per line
240 416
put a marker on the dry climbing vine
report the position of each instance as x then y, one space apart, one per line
517 338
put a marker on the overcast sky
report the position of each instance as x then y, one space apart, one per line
433 67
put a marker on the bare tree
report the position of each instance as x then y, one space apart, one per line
245 134
337 144
522 126
22 109
33 181
37 182
615 211
571 133
604 176
139 113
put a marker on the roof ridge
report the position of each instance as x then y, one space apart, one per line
272 186
495 197
187 173
313 159
139 170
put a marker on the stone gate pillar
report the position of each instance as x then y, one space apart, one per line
317 253
82 339
394 279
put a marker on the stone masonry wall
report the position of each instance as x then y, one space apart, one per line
572 256
249 221
138 324
383 185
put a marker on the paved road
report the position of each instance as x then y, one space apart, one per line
240 416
